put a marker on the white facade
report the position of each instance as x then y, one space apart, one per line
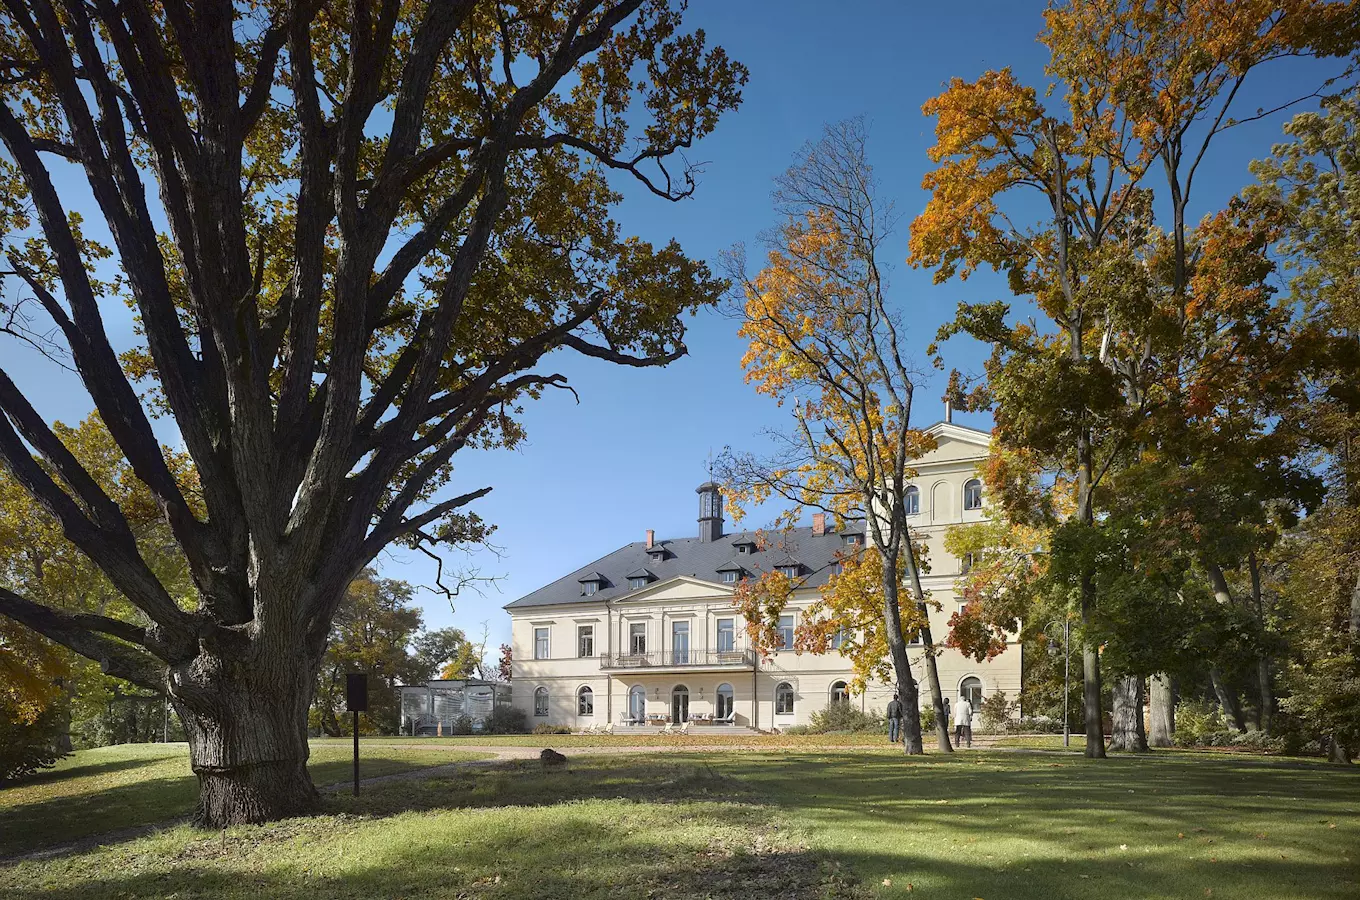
681 646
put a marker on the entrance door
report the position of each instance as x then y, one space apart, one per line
971 690
680 704
724 701
637 704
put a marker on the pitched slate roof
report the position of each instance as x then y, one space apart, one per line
696 559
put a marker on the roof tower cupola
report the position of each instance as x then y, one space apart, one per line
710 511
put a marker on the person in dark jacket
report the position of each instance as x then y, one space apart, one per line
894 719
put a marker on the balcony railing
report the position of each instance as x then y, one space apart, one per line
672 659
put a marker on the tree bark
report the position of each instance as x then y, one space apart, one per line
1127 732
1265 711
932 671
1227 699
897 650
1162 706
247 733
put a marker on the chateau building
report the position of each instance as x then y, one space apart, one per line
648 633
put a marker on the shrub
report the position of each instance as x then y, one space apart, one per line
796 729
506 720
545 728
26 747
1034 725
927 718
844 717
995 711
1200 724
461 725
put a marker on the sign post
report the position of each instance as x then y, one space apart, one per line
356 701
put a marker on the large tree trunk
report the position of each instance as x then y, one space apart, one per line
1227 698
1090 674
897 650
932 671
247 732
1265 711
1127 732
1162 712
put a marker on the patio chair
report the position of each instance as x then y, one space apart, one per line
668 728
684 729
609 729
589 729
729 719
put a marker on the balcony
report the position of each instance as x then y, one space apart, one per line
680 659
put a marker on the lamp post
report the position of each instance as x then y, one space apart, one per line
1067 675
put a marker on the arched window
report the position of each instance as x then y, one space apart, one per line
585 702
972 494
783 699
724 701
840 692
637 704
541 702
970 689
912 501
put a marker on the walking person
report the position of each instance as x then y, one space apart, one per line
963 722
894 719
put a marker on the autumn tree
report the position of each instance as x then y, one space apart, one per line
370 223
824 338
1134 86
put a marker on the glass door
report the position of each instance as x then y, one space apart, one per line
679 643
680 704
724 701
637 704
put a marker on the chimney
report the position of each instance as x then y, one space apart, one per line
819 523
651 538
710 512
948 410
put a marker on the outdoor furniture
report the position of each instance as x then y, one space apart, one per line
668 728
684 729
609 729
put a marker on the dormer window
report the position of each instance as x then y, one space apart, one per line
591 582
742 549
789 571
639 578
635 583
657 554
744 545
729 577
852 540
731 571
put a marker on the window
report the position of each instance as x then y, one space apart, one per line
962 607
637 704
585 702
541 702
590 587
972 494
783 699
851 540
970 689
840 692
680 643
743 549
785 633
724 702
729 577
789 571
540 643
637 638
838 639
966 563
912 501
635 583
915 639
585 640
727 635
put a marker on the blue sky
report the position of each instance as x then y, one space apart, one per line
595 475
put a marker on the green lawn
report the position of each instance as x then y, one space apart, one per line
94 791
696 738
848 824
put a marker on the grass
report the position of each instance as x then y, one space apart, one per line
93 791
624 739
842 824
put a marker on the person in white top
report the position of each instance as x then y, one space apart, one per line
963 722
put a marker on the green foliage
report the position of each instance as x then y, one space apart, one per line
845 717
506 720
996 711
27 746
927 718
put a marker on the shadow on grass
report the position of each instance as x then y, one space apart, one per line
86 770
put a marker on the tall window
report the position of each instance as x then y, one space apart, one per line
724 704
585 702
727 635
838 639
840 692
783 699
966 562
972 494
637 638
970 689
540 643
585 640
912 501
786 632
541 702
680 643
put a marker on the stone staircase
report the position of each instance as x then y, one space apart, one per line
624 731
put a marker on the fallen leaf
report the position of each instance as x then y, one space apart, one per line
887 882
1123 846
